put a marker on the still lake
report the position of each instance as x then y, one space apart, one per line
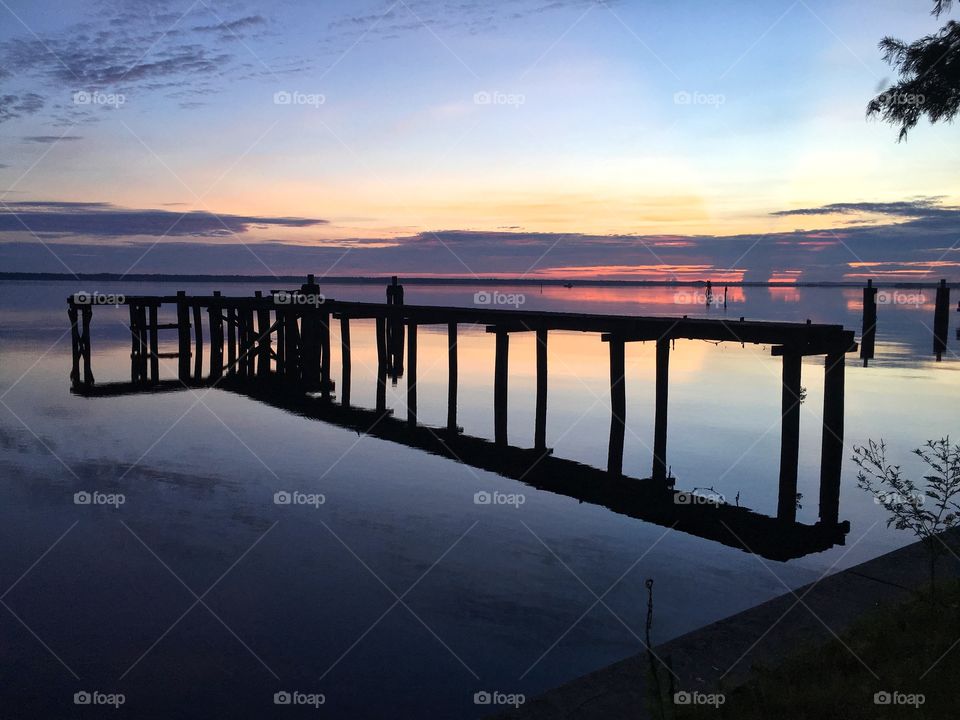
399 596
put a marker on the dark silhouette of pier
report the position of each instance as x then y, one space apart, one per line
278 352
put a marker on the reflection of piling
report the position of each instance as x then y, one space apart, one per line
395 331
709 293
869 332
941 320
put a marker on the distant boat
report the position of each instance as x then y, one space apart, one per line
568 285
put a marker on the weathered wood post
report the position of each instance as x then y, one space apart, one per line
154 344
831 453
310 341
74 342
868 334
87 314
326 382
381 329
231 340
144 356
941 319
250 340
215 319
540 424
345 364
198 341
500 375
135 348
618 406
452 378
660 412
264 340
789 437
412 375
242 364
183 336
291 336
395 330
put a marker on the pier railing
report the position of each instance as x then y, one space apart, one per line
276 348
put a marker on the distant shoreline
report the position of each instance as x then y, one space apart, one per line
378 279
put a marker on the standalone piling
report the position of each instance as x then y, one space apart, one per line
501 364
869 331
618 407
789 437
540 425
452 377
831 453
941 320
660 412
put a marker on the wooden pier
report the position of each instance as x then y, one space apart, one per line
278 351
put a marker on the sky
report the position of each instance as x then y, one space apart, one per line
566 139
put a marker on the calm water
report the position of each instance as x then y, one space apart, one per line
490 598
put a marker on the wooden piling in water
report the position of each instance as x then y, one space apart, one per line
381 329
74 344
941 320
86 314
831 453
135 348
500 375
183 337
540 423
326 382
198 342
412 375
618 406
660 412
291 339
452 379
215 320
231 341
154 345
264 339
345 363
868 333
789 437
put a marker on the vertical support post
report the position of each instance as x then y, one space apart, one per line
941 320
264 340
660 413
381 324
154 345
831 453
789 437
310 347
869 332
87 314
215 319
326 385
345 365
144 342
500 374
412 375
135 348
540 425
74 344
242 363
198 341
618 407
281 315
183 336
232 340
249 341
291 337
452 378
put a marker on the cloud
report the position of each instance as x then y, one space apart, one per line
46 139
14 106
920 207
98 219
233 26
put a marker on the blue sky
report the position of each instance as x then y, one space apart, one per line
537 129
